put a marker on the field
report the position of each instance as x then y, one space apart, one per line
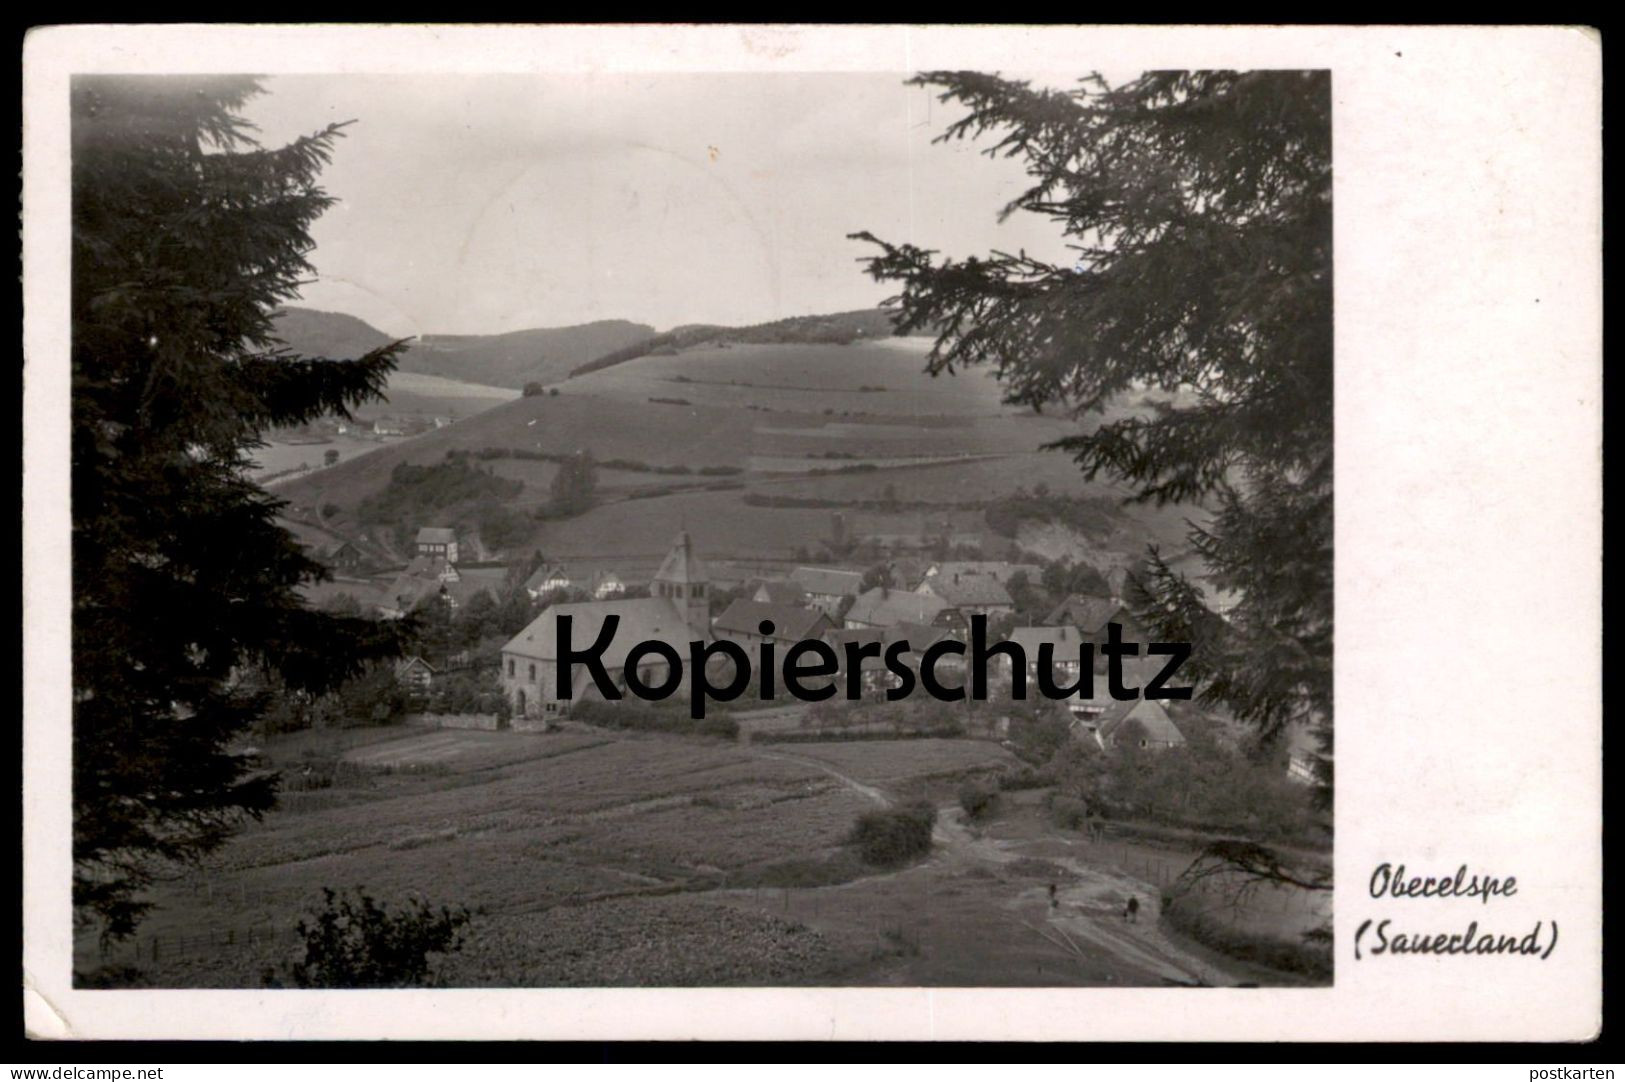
861 429
409 394
599 858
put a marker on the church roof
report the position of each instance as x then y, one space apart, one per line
680 564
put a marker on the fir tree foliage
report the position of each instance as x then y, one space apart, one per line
1197 207
187 235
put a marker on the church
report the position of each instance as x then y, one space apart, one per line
677 612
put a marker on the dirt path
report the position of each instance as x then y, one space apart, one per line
869 792
1087 919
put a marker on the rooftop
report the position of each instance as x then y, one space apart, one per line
640 618
789 621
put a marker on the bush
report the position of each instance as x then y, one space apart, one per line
532 389
1023 777
1068 812
414 492
354 942
655 718
894 836
980 799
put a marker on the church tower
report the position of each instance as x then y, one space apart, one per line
682 578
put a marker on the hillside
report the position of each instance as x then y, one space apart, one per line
545 355
500 360
757 449
327 334
839 328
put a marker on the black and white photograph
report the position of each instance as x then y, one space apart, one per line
715 529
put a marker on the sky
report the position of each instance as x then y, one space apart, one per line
492 203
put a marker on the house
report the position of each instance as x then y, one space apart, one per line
472 581
387 428
424 576
1091 615
1066 647
677 613
883 607
606 584
1000 571
415 674
548 578
780 592
827 587
877 676
971 593
741 622
438 541
1113 724
344 556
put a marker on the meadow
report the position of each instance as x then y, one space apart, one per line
752 447
591 857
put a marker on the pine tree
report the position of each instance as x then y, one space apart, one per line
187 235
1198 207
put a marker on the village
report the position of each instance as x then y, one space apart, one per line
953 765
918 601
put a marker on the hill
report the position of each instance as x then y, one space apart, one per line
501 360
839 328
758 450
545 355
327 334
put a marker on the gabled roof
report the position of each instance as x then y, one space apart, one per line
407 664
545 574
640 618
1064 642
680 564
473 580
436 535
968 589
781 592
827 580
998 570
884 608
789 621
1089 614
429 567
919 636
1147 713
840 636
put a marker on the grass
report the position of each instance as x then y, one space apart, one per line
760 409
883 761
634 859
507 822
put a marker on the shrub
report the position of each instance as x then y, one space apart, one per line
655 718
533 388
980 799
354 942
894 836
414 492
1022 777
1068 812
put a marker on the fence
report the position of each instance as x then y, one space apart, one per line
163 947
